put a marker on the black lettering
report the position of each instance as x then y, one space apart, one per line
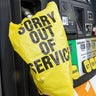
43 34
74 71
61 55
21 30
36 22
44 48
34 37
51 16
55 58
46 62
31 66
38 66
44 20
88 66
50 30
28 25
66 54
51 44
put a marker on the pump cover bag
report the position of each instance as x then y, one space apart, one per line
42 43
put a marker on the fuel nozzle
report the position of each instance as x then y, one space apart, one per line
26 12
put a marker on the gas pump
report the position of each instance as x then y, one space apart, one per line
77 18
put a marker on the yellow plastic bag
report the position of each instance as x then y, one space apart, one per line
42 43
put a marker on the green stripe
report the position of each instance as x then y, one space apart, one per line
73 49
